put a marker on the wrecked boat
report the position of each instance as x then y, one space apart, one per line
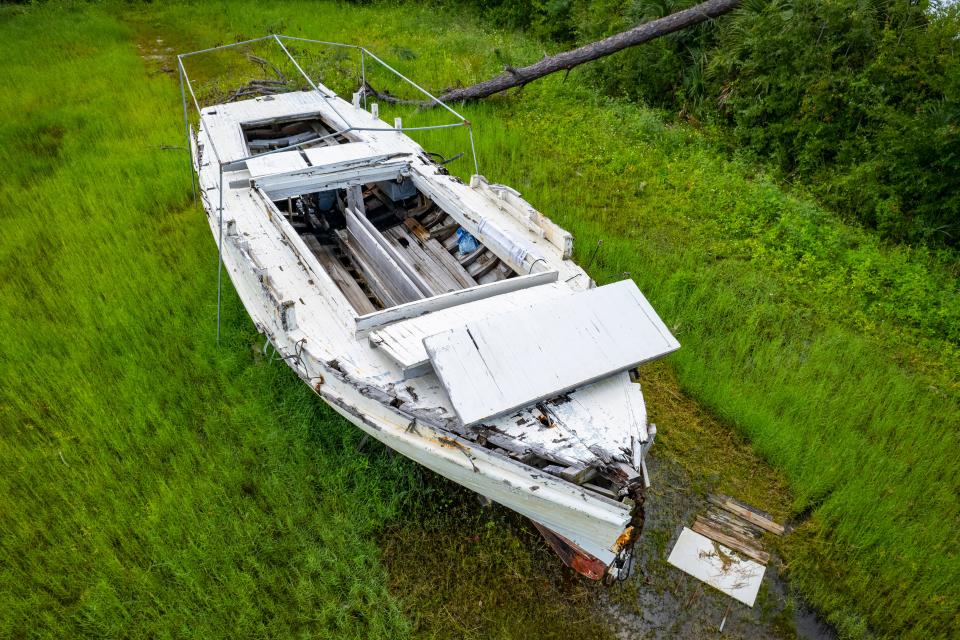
447 320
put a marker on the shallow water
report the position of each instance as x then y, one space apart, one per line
660 601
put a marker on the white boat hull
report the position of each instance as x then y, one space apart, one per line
598 428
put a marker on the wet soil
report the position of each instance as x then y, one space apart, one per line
660 601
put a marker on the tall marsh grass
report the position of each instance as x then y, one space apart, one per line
152 485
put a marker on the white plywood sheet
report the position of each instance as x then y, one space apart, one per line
270 164
341 156
403 341
490 366
718 566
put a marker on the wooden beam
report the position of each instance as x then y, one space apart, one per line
381 289
706 529
748 513
380 262
382 318
344 281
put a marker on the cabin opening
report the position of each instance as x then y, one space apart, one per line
277 133
386 244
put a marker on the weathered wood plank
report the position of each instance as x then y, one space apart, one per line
418 308
344 281
459 274
285 185
382 290
483 265
725 519
380 261
430 270
748 513
706 529
500 271
578 474
417 229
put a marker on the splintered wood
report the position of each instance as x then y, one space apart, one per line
737 525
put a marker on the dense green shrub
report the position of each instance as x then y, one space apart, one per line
858 99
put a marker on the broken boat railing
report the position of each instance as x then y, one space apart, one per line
185 82
187 85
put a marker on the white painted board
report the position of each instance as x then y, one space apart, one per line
403 341
490 366
339 156
270 164
718 566
385 317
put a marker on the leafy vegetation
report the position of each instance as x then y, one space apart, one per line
154 485
858 100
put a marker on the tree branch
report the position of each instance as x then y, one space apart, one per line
567 60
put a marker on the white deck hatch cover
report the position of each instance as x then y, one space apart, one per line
718 566
342 156
272 163
493 365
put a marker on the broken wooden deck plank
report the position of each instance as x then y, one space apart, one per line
741 546
417 229
512 360
341 277
748 513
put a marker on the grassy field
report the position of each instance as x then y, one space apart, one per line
154 485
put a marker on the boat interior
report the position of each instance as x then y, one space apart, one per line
383 243
424 251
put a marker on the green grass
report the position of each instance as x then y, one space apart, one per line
153 485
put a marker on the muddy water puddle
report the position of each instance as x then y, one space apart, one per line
465 571
660 601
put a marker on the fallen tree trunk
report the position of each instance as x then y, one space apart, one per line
570 59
